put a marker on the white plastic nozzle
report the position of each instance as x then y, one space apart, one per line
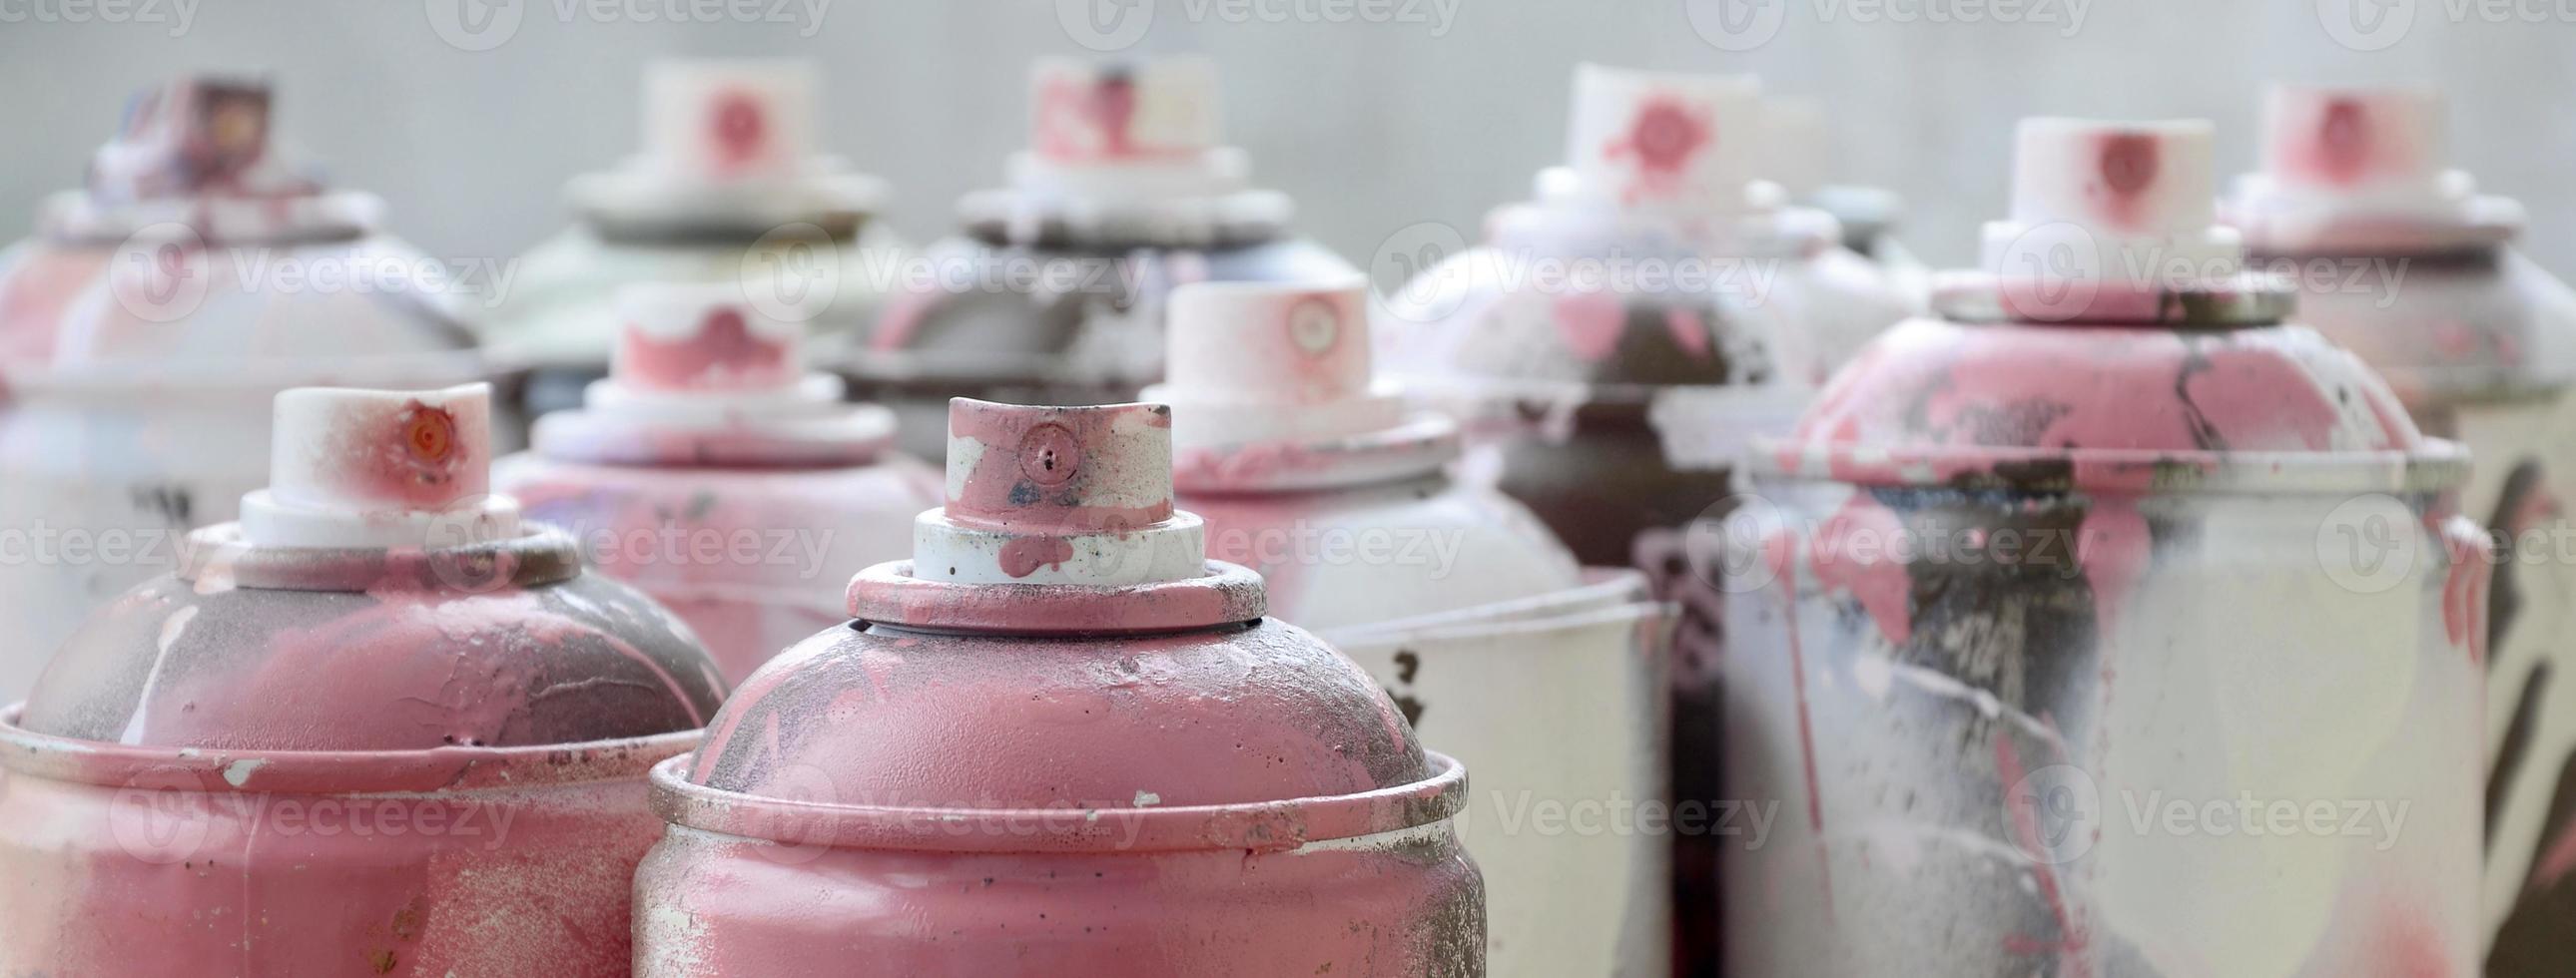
702 338
729 119
1058 495
1666 141
369 468
1115 111
1271 361
2353 139
2111 200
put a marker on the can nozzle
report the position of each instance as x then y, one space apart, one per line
1272 361
2111 201
197 135
1108 112
1058 495
1666 140
370 468
719 120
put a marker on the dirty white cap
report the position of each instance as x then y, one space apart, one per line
370 468
2357 155
1794 144
729 119
702 338
1126 130
2111 200
1665 141
1271 361
1058 495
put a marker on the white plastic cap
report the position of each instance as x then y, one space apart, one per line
1083 111
729 119
368 468
1271 361
1058 495
1666 141
2123 199
687 338
2353 139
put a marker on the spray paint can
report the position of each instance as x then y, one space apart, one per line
148 323
729 188
2108 624
712 472
377 726
2402 261
1053 292
1685 308
1060 741
1546 681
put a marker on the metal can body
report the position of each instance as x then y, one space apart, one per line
2480 344
754 559
2028 705
138 410
1054 321
133 861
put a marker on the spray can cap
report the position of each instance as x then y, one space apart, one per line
1113 112
1058 495
1666 141
2111 201
721 120
1272 362
353 468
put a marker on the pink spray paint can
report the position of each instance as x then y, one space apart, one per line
378 726
2107 624
1054 290
712 472
730 188
2403 262
1544 679
1614 341
1060 741
148 323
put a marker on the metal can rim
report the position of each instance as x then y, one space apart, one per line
25 753
2436 465
1268 826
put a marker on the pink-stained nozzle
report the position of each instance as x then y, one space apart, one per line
1272 361
2352 138
1665 140
367 468
191 136
729 119
1058 495
1117 111
702 338
2111 200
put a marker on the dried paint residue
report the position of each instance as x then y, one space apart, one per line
1662 140
723 353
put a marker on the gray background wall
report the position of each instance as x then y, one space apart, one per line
1372 126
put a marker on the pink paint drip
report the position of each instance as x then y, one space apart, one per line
1853 554
1689 332
1780 551
2073 937
1589 323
